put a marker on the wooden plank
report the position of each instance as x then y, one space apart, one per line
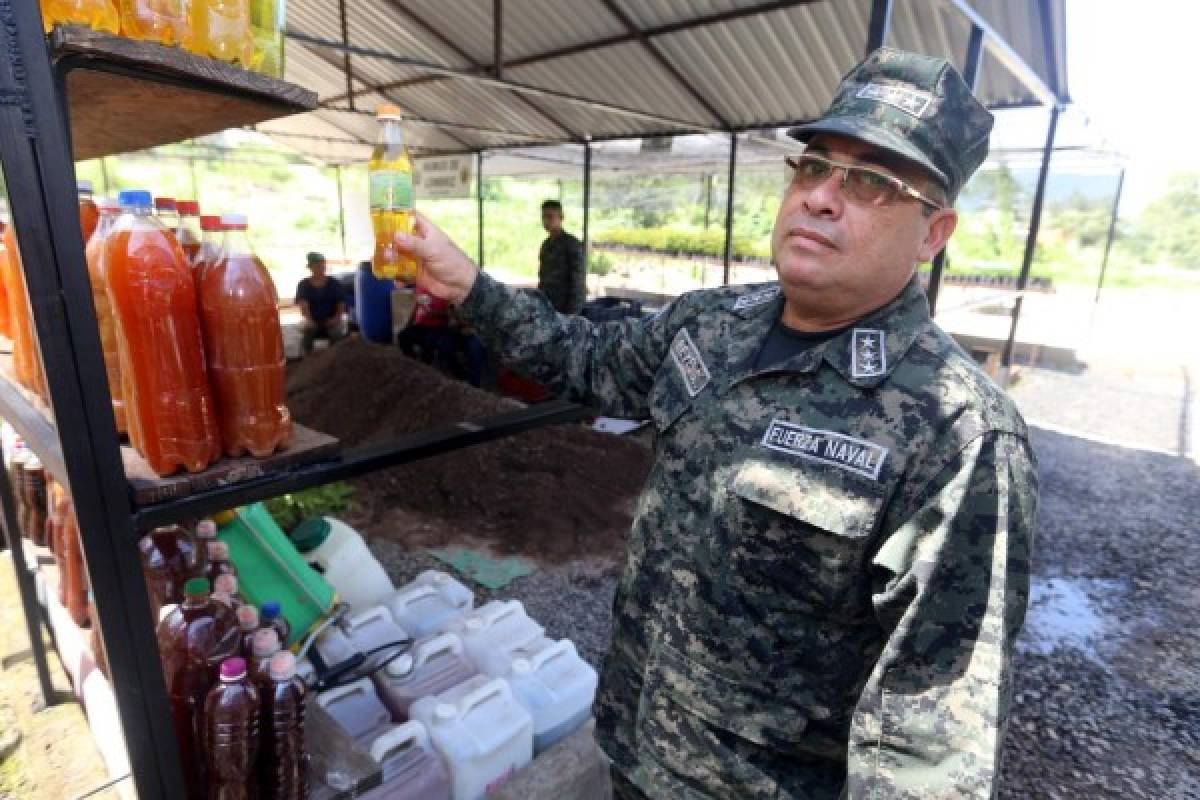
307 447
127 95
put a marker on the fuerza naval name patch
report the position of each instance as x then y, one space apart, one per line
826 447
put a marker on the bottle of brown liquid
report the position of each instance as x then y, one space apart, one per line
167 558
248 622
225 590
283 762
73 582
231 714
35 500
218 562
193 640
206 531
263 645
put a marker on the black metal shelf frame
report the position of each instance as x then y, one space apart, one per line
80 447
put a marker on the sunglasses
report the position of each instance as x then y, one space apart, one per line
862 185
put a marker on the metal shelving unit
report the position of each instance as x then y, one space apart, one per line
85 94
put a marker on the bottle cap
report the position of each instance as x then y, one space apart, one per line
188 207
399 667
282 666
247 617
197 586
389 111
33 463
233 669
206 529
270 610
218 551
444 712
210 222
134 198
224 598
311 534
83 187
165 203
234 222
226 583
264 642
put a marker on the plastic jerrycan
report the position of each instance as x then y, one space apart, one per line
360 632
243 344
269 568
168 402
340 554
483 734
412 769
435 664
357 709
423 609
557 688
495 632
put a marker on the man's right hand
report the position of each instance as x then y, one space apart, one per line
445 270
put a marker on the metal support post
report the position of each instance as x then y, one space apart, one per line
1112 230
880 22
26 588
1035 222
587 203
479 191
347 67
729 208
337 174
971 67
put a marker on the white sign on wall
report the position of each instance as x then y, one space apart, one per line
443 176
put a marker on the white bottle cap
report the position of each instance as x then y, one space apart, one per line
399 667
83 187
264 642
247 617
226 583
234 219
206 529
282 666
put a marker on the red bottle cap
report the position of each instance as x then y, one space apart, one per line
234 222
210 222
233 669
164 203
191 207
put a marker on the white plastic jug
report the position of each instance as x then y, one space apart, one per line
340 554
412 768
361 632
357 709
481 731
557 688
434 665
430 603
496 629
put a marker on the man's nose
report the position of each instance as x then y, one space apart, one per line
825 199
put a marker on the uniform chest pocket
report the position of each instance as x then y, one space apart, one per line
803 536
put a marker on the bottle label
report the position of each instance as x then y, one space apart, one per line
391 191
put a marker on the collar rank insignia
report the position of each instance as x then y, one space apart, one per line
868 355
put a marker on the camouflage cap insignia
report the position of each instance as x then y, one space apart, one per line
687 358
868 354
755 298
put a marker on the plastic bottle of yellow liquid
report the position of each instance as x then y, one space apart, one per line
391 194
163 21
267 18
98 14
221 30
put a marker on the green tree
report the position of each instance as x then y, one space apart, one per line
1172 222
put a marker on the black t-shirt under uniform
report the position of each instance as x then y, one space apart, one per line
322 300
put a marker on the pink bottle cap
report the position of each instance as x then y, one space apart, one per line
247 617
218 551
206 529
233 669
226 583
265 642
282 666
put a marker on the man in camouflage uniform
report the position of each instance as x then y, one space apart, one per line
562 275
830 559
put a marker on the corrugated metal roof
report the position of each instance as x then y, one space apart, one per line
737 63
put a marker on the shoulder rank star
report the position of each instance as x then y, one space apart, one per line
868 358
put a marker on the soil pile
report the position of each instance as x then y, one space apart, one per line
554 494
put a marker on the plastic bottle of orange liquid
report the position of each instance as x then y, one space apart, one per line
98 14
163 21
27 360
209 253
168 401
89 214
221 30
6 329
188 232
104 316
244 345
391 194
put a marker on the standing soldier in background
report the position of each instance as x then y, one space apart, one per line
562 275
830 559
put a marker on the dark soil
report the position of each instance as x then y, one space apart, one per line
554 494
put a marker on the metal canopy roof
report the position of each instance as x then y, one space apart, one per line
572 70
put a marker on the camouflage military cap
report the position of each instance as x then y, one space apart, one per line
915 106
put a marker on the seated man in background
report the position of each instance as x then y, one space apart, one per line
323 304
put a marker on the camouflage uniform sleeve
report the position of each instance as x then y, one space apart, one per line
951 596
610 367
577 270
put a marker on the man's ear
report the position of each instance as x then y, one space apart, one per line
940 228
